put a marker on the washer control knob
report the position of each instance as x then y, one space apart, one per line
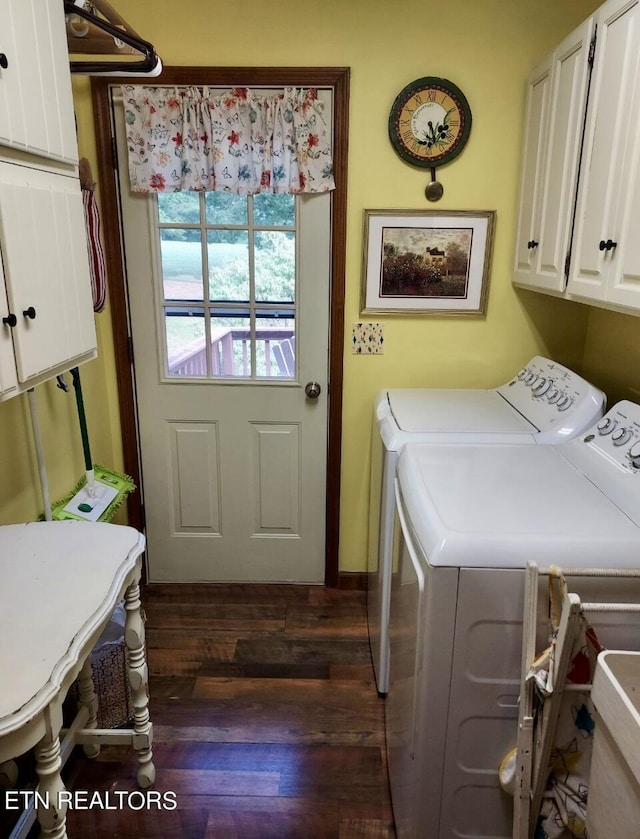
553 395
523 373
542 386
530 378
621 436
607 425
564 403
634 454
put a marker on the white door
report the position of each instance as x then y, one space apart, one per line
229 306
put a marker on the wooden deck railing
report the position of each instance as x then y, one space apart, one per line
230 354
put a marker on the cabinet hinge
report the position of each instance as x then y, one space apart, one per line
592 51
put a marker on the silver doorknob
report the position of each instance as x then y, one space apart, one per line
312 390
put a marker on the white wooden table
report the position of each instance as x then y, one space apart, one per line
59 584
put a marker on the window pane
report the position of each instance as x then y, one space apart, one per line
225 208
276 345
274 210
179 207
275 266
186 343
181 255
231 345
228 254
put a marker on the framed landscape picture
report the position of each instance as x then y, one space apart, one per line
426 262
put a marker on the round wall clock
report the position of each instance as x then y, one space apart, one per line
429 122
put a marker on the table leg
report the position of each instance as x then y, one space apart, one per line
139 681
8 774
51 806
87 696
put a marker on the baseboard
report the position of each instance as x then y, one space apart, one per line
353 580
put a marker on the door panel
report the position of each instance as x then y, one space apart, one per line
195 477
233 454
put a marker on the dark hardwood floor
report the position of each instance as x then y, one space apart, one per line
267 724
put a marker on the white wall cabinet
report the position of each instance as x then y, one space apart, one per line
44 253
36 106
580 193
555 110
605 265
46 308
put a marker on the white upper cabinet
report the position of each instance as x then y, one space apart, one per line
580 196
46 306
605 265
36 105
46 268
553 131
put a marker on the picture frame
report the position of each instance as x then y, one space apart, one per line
418 262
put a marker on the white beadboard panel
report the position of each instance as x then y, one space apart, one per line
195 486
36 102
276 478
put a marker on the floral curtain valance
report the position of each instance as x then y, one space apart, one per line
240 142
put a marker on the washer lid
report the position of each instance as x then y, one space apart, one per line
499 506
451 410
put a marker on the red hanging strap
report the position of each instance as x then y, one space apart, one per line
97 265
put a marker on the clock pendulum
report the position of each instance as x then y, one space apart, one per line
434 190
429 125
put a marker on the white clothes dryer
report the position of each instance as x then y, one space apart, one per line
469 518
544 403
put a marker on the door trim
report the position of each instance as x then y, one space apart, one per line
334 77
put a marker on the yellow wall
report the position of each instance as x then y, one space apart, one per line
487 47
612 354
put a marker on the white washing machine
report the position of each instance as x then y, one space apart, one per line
544 403
469 518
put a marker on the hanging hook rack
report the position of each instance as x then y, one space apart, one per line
150 65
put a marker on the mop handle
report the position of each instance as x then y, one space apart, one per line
75 375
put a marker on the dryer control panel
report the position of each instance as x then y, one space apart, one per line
556 400
608 453
617 435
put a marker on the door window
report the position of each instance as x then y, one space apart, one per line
229 284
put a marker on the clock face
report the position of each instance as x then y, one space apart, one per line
430 122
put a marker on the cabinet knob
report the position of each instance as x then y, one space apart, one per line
608 245
11 320
29 313
4 63
532 244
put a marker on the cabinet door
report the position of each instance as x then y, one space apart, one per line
44 252
537 116
624 282
8 380
36 105
608 129
550 170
